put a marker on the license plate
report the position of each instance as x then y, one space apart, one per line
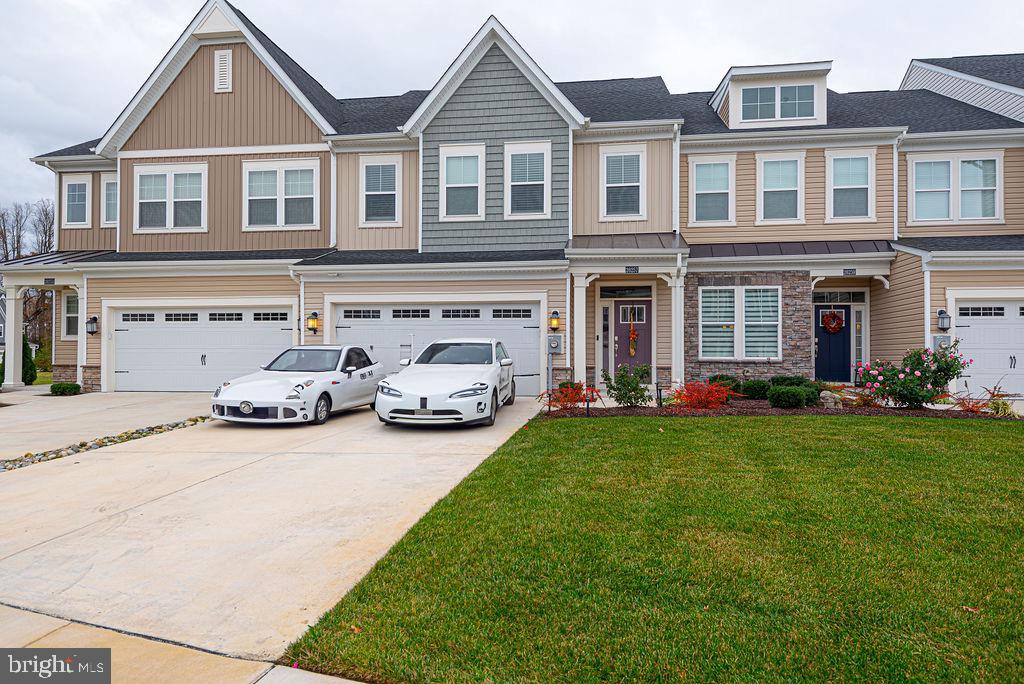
423 412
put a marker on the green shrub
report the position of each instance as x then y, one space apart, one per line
789 381
65 389
629 386
812 394
44 356
724 380
755 389
28 366
787 397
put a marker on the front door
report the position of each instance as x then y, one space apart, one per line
832 336
632 333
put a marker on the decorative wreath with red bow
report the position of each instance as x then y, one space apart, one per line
833 321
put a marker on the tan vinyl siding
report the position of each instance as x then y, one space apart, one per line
662 307
957 280
814 228
555 288
350 235
257 111
1013 203
93 237
896 315
586 205
183 287
224 213
65 352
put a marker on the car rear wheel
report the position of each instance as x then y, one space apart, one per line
322 410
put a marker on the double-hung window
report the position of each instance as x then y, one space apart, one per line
528 180
712 190
765 103
281 194
963 187
170 198
108 187
69 316
780 187
850 179
623 180
77 210
462 187
740 323
380 202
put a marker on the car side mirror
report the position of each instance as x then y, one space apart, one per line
404 362
505 362
350 370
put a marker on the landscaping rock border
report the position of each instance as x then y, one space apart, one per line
30 458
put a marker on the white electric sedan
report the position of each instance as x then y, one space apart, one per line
303 384
451 381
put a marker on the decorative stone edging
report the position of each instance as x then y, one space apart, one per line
99 442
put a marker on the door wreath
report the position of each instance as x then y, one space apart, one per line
833 321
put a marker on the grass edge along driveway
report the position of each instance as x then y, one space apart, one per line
640 549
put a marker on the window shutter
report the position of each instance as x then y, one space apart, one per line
222 71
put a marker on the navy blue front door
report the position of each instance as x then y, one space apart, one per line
832 362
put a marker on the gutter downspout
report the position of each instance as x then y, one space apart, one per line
419 196
302 304
675 178
56 207
334 198
896 187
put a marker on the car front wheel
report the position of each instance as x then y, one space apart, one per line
322 411
511 395
494 409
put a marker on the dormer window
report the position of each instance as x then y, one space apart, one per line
778 102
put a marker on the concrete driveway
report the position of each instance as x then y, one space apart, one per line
34 422
229 538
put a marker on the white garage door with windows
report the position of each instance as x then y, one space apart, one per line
195 349
992 333
391 332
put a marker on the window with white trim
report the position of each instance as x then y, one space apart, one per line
360 314
77 209
780 188
460 313
270 316
462 182
528 180
69 316
623 180
410 313
962 187
380 190
170 198
850 178
281 194
777 102
742 323
108 186
712 189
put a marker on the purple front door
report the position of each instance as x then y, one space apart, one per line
632 319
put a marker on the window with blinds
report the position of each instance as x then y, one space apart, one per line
527 182
222 71
718 323
740 322
622 184
761 322
380 200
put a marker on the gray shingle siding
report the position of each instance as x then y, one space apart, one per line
494 105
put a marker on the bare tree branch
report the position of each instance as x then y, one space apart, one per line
42 226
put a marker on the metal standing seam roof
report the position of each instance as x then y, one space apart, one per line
55 258
785 249
668 242
242 255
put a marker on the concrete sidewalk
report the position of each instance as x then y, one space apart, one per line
32 421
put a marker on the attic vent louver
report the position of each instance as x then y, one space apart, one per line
222 71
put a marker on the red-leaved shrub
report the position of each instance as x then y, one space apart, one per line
570 395
701 395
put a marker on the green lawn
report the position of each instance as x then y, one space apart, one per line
627 549
43 378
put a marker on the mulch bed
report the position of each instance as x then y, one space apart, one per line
754 407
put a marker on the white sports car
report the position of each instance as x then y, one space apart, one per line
451 381
303 384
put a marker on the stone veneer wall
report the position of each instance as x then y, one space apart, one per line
90 378
64 373
797 325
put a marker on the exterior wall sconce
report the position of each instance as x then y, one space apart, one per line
945 320
313 323
555 322
92 325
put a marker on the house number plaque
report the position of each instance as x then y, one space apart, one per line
632 270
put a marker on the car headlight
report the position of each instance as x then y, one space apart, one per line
216 392
388 391
474 391
296 392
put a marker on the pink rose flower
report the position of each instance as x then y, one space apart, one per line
901 376
877 385
917 373
929 385
874 372
881 377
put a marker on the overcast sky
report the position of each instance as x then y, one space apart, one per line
70 66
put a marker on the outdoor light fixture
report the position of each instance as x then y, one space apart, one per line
945 320
313 323
92 326
556 320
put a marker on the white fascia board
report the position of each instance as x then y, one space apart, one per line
961 75
492 32
759 71
923 253
172 64
1002 137
778 137
463 267
652 123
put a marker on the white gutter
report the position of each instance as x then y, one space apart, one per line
634 124
531 266
786 135
959 135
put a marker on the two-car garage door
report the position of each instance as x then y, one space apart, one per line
195 349
992 333
391 332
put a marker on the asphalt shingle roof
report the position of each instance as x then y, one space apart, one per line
412 257
966 243
1005 69
82 148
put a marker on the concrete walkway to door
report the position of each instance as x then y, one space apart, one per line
48 422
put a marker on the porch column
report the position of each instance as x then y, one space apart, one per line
15 331
580 281
678 327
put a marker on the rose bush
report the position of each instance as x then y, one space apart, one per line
920 378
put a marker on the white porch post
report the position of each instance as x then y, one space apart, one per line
678 340
15 331
579 326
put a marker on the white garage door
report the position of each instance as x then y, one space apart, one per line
392 332
992 333
195 349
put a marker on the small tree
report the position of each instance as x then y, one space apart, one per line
28 364
629 386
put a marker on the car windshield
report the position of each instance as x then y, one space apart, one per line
306 360
457 353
